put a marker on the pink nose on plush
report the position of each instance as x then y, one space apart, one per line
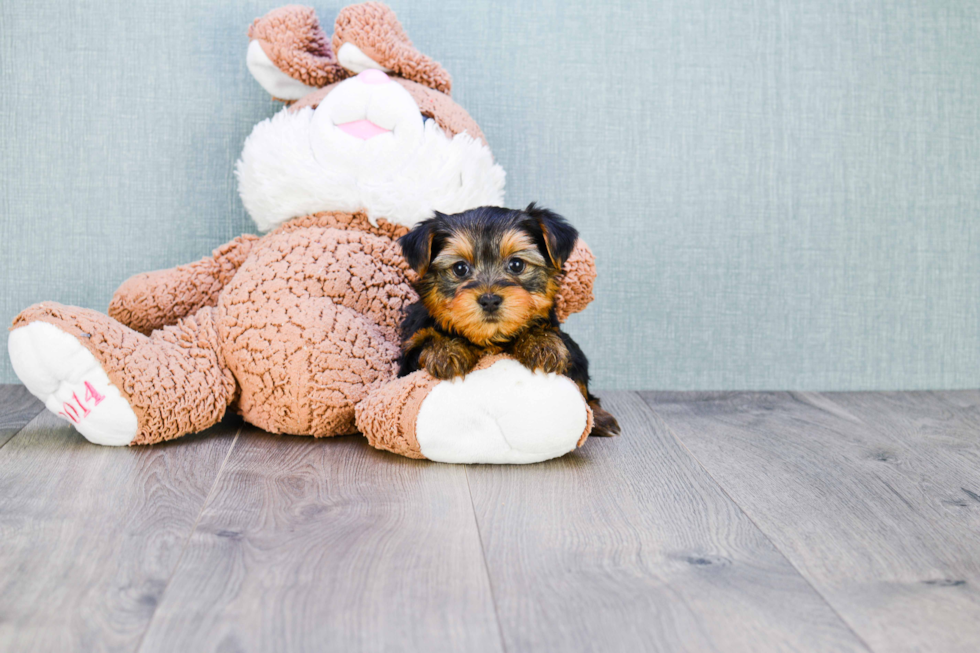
363 129
372 76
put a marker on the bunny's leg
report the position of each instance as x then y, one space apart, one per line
118 386
500 412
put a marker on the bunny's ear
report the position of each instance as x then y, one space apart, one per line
558 236
289 55
369 35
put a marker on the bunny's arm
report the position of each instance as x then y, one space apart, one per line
575 291
152 300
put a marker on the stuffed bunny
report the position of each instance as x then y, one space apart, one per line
297 329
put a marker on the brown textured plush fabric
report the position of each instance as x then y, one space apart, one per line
295 330
575 291
153 300
292 39
375 29
387 415
338 220
175 380
309 325
589 423
440 107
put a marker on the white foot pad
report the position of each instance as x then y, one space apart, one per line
502 414
59 371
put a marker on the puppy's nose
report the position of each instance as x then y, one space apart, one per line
372 76
489 302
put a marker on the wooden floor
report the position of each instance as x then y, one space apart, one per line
717 522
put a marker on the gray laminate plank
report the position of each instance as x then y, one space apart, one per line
863 517
628 545
89 535
17 408
330 545
934 445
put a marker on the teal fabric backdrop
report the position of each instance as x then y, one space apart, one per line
781 194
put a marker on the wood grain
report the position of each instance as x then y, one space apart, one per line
17 408
863 495
628 545
935 440
89 535
718 521
329 545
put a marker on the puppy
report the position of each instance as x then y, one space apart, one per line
487 284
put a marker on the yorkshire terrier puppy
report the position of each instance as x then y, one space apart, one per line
487 284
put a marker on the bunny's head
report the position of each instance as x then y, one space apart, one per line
370 125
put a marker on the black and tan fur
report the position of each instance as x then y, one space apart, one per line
487 284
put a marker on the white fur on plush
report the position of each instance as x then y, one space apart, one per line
353 59
386 105
298 163
502 414
55 367
274 81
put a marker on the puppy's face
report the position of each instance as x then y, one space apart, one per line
486 284
486 273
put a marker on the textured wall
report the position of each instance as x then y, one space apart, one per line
781 194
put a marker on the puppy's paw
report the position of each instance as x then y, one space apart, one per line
604 425
446 358
539 349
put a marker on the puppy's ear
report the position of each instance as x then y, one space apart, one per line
557 235
417 244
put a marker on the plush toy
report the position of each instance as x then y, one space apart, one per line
297 330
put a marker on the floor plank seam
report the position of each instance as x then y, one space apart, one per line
486 563
190 534
21 429
823 395
782 554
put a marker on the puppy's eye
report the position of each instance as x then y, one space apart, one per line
515 266
460 269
